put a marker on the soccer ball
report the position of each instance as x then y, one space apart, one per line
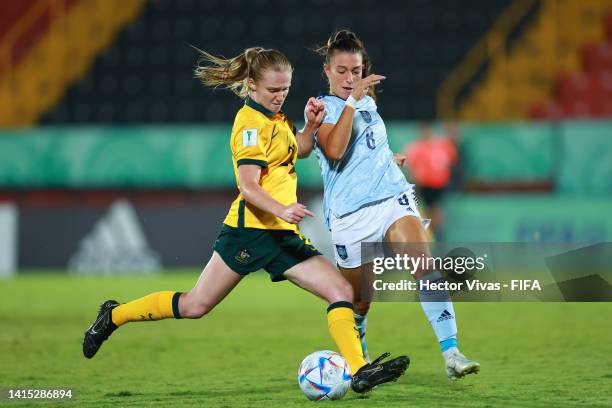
324 375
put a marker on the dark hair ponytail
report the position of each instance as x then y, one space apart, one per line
347 41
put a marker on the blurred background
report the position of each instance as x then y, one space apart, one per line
114 159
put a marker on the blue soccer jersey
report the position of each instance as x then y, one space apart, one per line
366 174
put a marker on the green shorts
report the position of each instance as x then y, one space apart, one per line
247 250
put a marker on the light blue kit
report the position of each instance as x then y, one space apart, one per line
367 173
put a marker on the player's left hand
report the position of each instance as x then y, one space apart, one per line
315 110
399 159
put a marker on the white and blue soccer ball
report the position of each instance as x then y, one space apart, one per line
324 375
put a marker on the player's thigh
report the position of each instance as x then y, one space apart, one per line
407 236
215 282
406 229
318 276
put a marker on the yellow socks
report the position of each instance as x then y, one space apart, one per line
163 305
156 306
341 323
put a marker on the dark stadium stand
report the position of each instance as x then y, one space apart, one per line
146 76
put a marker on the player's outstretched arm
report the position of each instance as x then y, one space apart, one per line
248 178
334 139
315 110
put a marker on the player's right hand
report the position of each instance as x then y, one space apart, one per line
315 110
362 85
295 212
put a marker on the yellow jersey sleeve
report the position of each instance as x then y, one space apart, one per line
251 141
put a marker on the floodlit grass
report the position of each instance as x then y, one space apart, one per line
247 351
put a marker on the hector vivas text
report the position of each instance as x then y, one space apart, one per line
458 265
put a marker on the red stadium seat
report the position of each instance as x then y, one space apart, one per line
589 56
597 57
578 109
606 108
601 95
573 86
604 83
584 94
546 111
608 27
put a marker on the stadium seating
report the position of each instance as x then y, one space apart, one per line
586 93
45 45
146 75
522 72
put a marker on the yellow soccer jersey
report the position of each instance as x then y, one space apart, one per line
262 137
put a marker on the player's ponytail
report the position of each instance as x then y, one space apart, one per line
233 73
347 41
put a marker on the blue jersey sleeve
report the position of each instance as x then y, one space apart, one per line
333 109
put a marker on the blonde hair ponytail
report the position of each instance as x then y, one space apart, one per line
233 73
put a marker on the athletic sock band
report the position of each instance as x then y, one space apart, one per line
342 303
175 305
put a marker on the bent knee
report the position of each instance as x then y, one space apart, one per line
194 309
342 292
197 311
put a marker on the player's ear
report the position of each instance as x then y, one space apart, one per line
326 69
251 84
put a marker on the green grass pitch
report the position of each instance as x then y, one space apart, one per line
247 351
